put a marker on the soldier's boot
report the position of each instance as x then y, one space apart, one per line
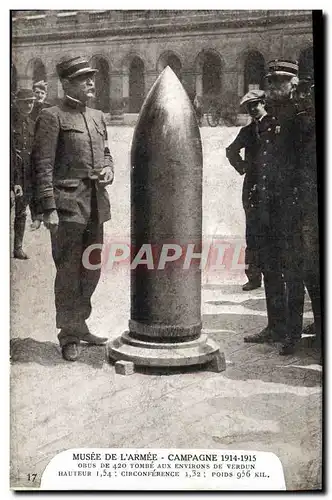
268 335
275 304
288 349
251 285
69 343
70 351
295 303
289 346
92 339
19 228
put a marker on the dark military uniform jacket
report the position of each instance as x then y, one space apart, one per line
70 150
38 106
22 136
247 140
271 165
279 179
279 148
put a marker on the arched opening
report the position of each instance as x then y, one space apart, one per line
136 85
211 77
171 60
36 71
174 62
102 84
254 71
306 63
39 71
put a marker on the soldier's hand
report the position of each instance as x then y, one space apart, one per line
106 176
18 191
51 220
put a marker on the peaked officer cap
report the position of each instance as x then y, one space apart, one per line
72 67
25 95
282 67
252 96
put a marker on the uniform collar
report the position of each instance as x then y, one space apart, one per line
75 103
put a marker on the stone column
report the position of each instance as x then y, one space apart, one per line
199 84
125 90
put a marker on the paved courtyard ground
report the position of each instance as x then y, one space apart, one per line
261 402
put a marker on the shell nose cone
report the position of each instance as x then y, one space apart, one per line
168 73
167 83
167 116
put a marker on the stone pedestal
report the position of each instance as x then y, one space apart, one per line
155 354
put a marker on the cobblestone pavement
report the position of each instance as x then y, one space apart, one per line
261 402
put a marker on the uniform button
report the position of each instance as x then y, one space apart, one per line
267 140
263 188
264 153
264 164
264 177
269 129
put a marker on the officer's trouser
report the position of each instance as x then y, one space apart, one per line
21 204
293 275
271 265
253 268
74 282
281 256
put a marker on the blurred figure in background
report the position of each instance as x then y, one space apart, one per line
22 138
248 140
40 92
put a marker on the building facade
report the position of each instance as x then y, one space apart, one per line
216 54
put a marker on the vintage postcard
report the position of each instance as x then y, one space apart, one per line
166 326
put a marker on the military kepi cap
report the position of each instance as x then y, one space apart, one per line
25 95
41 84
252 96
282 67
74 66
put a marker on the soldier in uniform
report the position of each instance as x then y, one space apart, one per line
306 147
73 166
40 92
280 214
248 139
22 137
